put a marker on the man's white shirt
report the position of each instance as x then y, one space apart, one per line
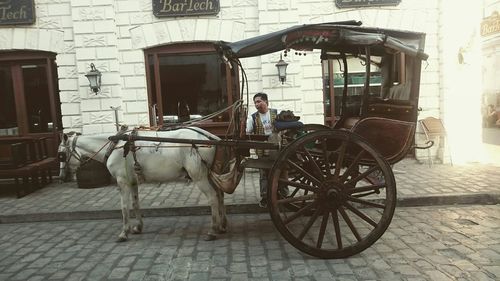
265 118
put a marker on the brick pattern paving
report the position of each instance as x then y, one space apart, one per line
425 243
413 180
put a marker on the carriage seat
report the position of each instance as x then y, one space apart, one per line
349 122
287 120
285 125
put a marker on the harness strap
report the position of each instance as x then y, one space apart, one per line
197 151
137 166
73 150
112 145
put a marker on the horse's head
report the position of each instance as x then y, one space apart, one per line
69 158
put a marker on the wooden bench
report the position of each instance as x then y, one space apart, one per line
13 165
27 163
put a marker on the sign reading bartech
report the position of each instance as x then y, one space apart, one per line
174 8
17 12
491 24
365 3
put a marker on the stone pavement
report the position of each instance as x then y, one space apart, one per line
417 185
422 243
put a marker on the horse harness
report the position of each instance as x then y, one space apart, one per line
130 146
62 156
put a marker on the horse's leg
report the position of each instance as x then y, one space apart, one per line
218 210
222 209
124 187
138 215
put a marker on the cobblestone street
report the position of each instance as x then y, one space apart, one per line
422 243
417 184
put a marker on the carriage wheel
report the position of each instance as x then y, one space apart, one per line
307 128
342 194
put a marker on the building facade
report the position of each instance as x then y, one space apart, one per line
134 49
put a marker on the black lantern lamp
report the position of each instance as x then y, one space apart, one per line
94 77
281 65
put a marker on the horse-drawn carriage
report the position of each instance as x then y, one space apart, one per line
342 188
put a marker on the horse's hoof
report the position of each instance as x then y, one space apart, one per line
121 239
137 229
209 237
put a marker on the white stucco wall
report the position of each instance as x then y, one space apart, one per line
113 33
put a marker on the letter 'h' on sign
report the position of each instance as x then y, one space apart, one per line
17 12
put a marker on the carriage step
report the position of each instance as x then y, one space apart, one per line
258 163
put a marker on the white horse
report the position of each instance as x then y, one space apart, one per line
160 162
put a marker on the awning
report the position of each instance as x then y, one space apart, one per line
346 36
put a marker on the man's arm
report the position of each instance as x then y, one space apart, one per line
249 129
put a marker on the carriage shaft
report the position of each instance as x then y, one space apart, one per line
231 142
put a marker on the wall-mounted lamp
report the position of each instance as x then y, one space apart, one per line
94 77
281 65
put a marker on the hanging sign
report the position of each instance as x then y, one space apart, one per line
365 3
17 12
175 8
491 24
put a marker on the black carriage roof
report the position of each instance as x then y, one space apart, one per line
346 36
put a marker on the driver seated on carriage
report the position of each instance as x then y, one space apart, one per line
265 122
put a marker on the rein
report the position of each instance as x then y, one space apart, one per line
74 153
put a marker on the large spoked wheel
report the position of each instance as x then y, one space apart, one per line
341 197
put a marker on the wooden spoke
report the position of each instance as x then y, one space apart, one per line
359 195
322 229
340 159
350 224
363 175
373 187
352 166
299 213
338 236
325 157
304 172
294 192
315 165
309 224
365 202
299 185
306 193
296 199
360 214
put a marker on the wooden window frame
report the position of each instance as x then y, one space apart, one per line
15 59
155 94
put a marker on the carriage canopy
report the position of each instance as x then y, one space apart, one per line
343 36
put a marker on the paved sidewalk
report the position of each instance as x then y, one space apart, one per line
424 243
417 184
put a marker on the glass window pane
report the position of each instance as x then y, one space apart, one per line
355 83
8 117
192 83
37 96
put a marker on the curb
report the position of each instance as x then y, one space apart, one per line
245 208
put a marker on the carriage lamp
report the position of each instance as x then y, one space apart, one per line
281 65
94 77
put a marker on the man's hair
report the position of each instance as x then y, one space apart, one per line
263 96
